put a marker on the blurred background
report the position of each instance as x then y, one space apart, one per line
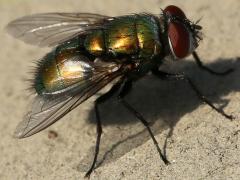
199 143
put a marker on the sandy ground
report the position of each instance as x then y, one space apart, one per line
201 144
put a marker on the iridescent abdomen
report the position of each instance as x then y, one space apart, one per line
61 69
126 35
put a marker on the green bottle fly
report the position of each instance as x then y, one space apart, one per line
92 50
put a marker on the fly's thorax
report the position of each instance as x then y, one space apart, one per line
136 36
58 70
120 36
148 36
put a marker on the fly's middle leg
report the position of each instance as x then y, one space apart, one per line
123 92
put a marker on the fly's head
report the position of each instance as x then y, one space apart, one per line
183 36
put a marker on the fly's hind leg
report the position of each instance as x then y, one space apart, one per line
98 101
200 65
123 92
168 76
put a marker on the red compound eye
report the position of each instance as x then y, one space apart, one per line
178 34
174 11
179 39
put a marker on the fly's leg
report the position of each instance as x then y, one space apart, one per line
98 101
167 76
200 64
124 91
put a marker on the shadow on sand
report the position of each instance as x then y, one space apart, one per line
162 103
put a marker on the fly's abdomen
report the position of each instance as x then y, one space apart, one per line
59 70
94 43
126 35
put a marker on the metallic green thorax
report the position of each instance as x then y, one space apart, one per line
127 35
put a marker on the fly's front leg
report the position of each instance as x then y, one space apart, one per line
168 76
200 65
124 91
98 101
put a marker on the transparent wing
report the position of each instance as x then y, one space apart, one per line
51 29
47 110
